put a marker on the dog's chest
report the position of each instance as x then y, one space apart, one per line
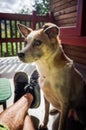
54 84
52 90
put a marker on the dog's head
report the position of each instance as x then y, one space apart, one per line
40 43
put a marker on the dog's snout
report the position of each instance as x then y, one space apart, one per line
21 54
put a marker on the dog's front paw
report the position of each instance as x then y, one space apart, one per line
43 127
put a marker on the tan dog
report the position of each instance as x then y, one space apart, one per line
63 85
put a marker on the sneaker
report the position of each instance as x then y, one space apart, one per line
20 81
34 89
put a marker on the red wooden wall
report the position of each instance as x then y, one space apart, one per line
73 37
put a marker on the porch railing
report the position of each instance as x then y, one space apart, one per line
11 41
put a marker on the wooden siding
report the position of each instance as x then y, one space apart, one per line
76 53
70 15
65 12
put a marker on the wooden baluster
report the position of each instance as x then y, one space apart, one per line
17 47
0 29
10 28
7 49
16 29
1 50
5 25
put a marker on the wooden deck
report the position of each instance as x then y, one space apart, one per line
9 66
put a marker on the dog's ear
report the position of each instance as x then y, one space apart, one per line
51 30
24 30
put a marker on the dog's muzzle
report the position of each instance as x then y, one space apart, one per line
21 54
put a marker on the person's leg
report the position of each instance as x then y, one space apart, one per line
28 123
14 116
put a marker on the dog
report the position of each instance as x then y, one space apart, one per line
62 84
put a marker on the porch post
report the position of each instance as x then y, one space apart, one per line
33 24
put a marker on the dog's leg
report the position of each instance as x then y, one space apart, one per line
46 116
63 117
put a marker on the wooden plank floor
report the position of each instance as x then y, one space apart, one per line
9 66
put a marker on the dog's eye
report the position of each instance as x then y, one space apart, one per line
37 43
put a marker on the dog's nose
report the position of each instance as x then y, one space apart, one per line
21 54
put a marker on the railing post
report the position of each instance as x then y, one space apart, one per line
47 17
33 25
51 16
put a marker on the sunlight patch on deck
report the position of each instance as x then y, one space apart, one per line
10 65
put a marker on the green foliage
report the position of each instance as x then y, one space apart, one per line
4 53
10 46
42 6
24 11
